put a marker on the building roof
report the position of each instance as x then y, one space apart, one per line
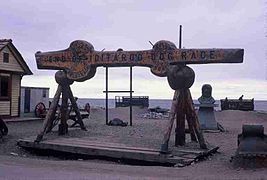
18 56
4 42
30 87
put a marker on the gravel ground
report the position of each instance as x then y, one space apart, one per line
149 133
143 133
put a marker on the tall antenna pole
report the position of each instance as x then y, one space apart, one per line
178 138
180 37
106 95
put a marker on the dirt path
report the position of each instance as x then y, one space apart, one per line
25 168
145 132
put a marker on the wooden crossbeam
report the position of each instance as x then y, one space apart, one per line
80 59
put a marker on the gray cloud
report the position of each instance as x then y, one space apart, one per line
51 25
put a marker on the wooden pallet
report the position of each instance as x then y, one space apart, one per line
84 146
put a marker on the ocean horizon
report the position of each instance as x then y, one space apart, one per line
259 105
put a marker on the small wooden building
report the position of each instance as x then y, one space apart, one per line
12 69
31 96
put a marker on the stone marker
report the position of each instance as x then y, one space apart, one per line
206 114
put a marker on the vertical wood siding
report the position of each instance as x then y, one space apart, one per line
15 95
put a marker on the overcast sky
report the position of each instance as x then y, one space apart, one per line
48 25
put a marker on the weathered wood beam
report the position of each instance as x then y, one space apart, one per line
166 138
180 120
50 116
80 60
63 126
75 108
190 120
191 128
192 116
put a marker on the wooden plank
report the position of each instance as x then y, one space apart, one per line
118 91
80 59
47 124
191 151
180 120
177 160
75 108
103 144
81 141
15 95
192 116
85 146
121 153
188 156
166 138
63 126
74 142
97 151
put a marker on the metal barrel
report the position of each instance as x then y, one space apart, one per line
252 130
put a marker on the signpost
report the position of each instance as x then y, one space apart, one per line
80 60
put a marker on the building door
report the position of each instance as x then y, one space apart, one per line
27 99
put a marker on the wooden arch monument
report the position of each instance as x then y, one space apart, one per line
80 60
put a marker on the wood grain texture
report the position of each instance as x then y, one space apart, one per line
48 121
80 59
115 150
75 108
172 114
15 93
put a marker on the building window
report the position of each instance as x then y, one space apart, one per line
44 93
6 57
4 87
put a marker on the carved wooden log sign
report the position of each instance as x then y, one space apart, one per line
80 60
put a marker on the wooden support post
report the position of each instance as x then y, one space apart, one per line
63 126
166 138
131 95
180 120
189 111
50 116
182 107
191 128
64 89
106 95
75 108
193 116
181 78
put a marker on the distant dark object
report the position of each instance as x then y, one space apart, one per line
40 110
3 128
252 147
87 108
180 77
206 96
159 110
237 104
206 114
117 122
124 101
